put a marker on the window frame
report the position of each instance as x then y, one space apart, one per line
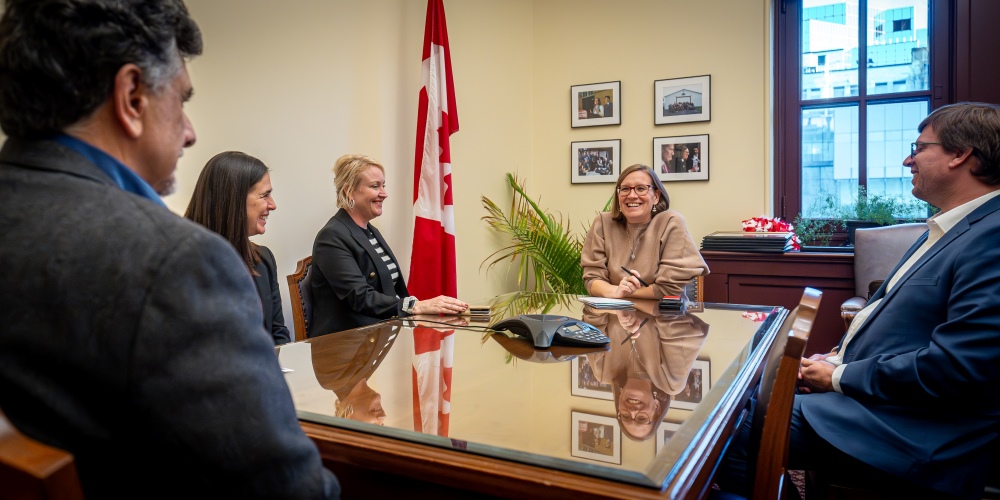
788 101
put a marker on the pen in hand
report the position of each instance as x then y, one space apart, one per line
643 283
644 320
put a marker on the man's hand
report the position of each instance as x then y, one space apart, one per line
816 374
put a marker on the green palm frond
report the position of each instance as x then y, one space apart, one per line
541 244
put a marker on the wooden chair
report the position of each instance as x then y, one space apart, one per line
31 470
300 295
773 412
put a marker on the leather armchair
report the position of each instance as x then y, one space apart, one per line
877 250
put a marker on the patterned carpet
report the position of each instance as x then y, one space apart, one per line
799 478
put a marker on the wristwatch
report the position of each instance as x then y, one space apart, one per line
408 304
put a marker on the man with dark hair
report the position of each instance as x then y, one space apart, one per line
132 337
609 109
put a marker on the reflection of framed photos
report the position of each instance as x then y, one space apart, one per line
681 100
681 158
585 383
595 161
664 433
596 438
698 382
596 104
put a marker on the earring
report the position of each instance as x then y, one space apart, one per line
654 210
350 203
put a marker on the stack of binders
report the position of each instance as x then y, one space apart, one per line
740 241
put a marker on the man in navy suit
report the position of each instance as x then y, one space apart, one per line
913 390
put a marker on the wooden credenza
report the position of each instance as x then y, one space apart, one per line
759 279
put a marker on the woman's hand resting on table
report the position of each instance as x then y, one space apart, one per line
442 304
626 287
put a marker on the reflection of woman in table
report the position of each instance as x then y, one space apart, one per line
648 362
343 363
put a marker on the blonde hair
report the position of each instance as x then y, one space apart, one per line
347 175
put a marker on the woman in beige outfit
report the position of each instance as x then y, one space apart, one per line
642 235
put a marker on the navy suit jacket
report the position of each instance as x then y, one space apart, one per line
270 296
922 382
351 286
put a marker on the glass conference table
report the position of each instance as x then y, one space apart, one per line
469 409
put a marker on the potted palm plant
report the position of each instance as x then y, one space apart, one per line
546 252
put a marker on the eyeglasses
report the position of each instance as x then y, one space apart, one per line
639 190
915 145
640 418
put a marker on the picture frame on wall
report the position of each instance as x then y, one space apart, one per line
682 100
698 383
585 383
595 161
664 433
681 158
596 104
596 437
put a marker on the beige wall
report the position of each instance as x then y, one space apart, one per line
298 83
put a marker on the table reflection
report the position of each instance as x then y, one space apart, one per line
589 410
649 363
345 363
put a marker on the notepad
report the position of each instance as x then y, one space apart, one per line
476 311
606 303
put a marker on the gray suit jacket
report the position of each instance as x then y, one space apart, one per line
133 339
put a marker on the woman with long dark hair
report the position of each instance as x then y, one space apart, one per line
233 198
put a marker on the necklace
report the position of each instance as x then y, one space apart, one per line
632 242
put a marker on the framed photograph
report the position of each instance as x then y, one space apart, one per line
681 158
585 383
698 382
596 104
664 433
595 161
596 438
681 100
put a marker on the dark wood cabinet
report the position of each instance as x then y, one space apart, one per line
778 280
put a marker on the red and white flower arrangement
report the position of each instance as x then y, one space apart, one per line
771 225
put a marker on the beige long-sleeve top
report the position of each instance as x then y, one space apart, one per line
662 251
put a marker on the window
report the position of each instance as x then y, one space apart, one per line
839 124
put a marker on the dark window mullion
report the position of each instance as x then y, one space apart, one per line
863 93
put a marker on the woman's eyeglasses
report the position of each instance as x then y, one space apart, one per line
640 417
639 190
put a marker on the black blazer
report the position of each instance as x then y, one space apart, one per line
351 287
131 338
270 296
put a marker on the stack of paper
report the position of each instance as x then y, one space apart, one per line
740 241
605 303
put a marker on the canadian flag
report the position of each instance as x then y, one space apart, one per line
432 262
433 352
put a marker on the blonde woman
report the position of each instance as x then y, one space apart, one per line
356 278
